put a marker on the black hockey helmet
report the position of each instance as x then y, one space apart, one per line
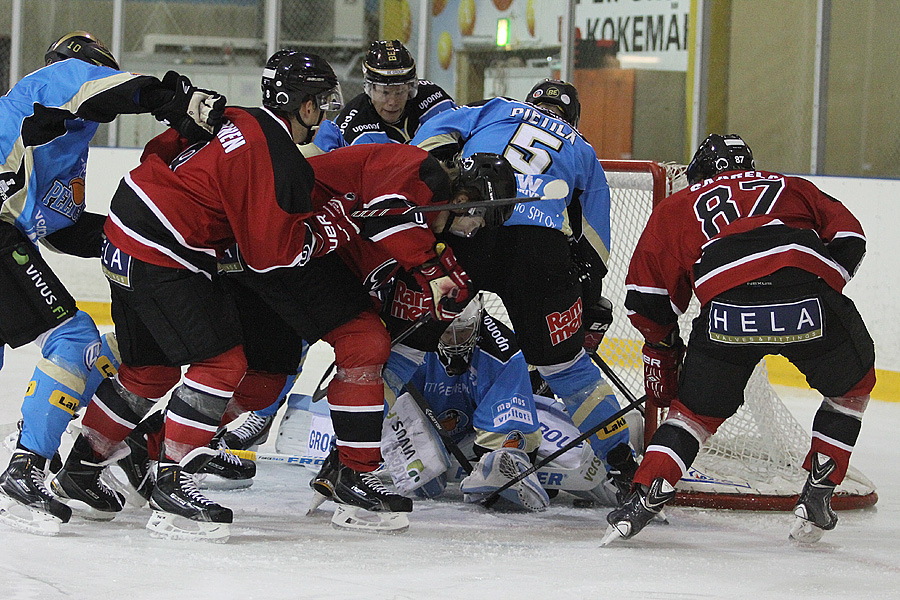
388 62
487 176
83 46
457 343
717 154
291 78
557 97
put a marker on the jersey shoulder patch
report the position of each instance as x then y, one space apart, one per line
496 339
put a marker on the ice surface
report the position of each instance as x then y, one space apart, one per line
462 552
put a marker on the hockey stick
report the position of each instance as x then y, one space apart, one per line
495 495
273 457
553 190
449 444
320 392
611 375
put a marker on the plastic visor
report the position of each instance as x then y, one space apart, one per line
332 100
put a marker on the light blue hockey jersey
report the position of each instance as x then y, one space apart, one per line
493 396
541 148
47 121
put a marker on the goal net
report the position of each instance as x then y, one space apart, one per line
754 461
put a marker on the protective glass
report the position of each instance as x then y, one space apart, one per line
332 100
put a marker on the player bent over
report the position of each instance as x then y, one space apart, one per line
767 256
46 124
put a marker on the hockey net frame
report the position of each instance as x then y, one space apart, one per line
754 461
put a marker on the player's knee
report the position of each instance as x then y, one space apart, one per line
362 342
698 426
73 346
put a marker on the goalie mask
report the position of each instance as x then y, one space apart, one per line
718 154
483 176
83 46
457 343
559 98
389 63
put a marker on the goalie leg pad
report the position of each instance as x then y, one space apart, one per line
497 468
412 450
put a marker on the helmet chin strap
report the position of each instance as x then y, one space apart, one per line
310 129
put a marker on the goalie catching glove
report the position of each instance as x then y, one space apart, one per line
332 226
194 113
662 369
447 287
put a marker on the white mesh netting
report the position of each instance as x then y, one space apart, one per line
755 457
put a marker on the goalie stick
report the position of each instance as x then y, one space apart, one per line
553 190
495 495
320 392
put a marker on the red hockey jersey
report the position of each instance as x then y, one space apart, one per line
734 228
249 185
383 176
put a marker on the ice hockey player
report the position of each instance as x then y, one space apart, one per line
767 256
392 107
477 383
48 121
528 261
249 185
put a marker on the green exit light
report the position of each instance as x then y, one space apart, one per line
502 32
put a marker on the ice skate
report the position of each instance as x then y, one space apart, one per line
363 502
641 506
813 510
323 483
225 471
25 502
80 486
622 468
138 468
180 511
249 435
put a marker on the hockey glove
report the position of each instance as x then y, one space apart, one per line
596 318
194 113
447 287
662 368
332 226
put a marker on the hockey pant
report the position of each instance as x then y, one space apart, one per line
356 392
56 388
589 401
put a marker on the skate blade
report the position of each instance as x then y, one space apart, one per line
174 527
358 519
215 482
614 534
317 501
805 532
24 518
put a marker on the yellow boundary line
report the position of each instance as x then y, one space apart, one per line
628 354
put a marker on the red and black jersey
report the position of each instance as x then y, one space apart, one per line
384 176
183 207
726 231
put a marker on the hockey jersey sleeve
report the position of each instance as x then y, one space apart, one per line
840 231
657 286
329 136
